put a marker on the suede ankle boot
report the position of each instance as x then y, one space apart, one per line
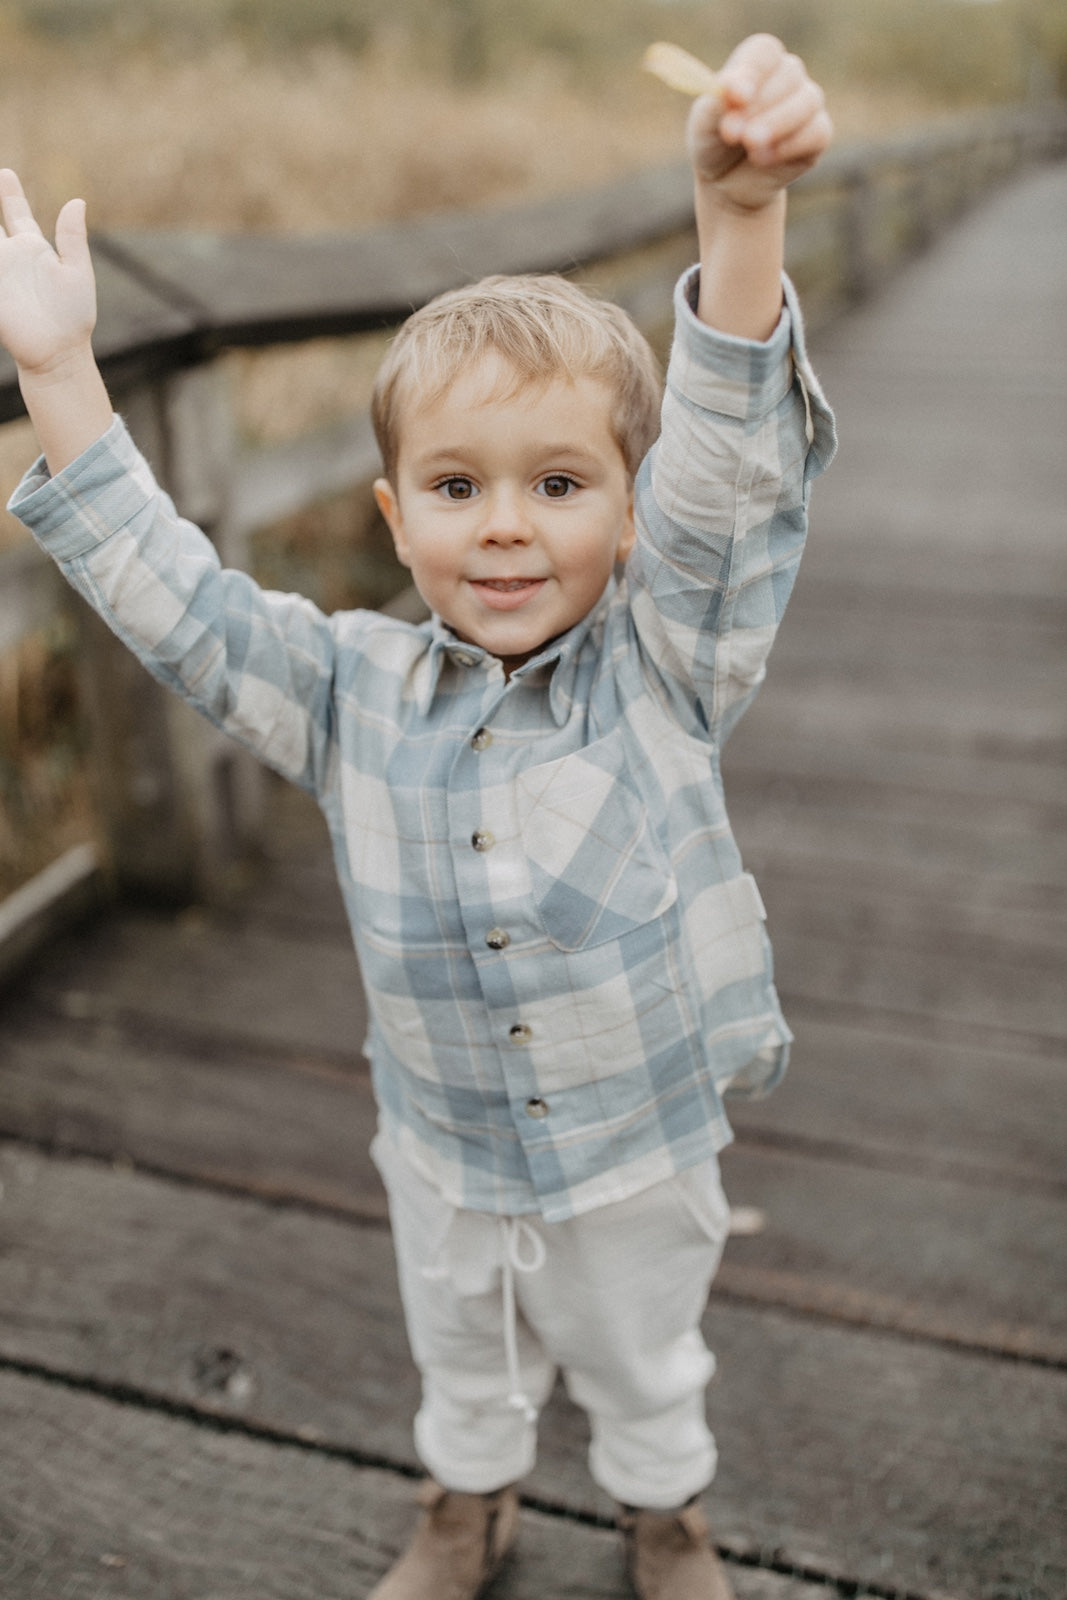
458 1545
669 1555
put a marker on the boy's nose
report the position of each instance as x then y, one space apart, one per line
506 519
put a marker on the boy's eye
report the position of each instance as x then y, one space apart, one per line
456 488
557 485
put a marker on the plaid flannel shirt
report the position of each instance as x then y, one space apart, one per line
564 960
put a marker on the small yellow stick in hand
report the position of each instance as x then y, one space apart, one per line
679 70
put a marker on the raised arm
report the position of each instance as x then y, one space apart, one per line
722 501
47 315
766 127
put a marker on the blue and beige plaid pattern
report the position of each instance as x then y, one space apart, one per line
564 959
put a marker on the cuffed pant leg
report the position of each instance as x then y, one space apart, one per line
468 1432
618 1307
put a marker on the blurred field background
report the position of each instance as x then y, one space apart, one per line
283 115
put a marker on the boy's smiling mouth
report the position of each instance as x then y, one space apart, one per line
504 594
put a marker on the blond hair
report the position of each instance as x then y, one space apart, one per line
543 327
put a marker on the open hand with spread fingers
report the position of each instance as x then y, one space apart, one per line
47 293
47 316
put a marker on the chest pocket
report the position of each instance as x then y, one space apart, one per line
597 870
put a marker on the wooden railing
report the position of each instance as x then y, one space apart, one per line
176 802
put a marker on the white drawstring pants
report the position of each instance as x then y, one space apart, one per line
612 1300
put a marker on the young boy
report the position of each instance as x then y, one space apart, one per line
564 961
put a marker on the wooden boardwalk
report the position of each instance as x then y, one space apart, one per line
204 1388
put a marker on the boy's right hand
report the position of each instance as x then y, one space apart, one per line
47 315
47 296
767 126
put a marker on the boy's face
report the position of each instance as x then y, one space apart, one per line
510 509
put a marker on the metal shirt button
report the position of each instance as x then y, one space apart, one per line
520 1032
536 1107
497 939
482 839
481 739
463 658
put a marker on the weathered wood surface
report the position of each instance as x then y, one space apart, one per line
192 1237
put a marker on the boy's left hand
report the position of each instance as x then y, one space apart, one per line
769 127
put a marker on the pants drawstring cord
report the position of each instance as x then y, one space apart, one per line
515 1232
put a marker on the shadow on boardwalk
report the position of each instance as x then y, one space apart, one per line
204 1390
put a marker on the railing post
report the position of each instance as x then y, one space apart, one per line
180 804
858 222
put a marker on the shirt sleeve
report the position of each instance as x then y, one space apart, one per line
722 508
258 664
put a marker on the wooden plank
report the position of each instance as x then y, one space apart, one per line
192 977
295 1123
768 752
889 900
953 988
122 1281
958 1261
915 1102
973 696
960 727
935 668
199 965
977 933
770 832
284 1127
997 859
259 288
134 319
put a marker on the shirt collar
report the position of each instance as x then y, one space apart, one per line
559 658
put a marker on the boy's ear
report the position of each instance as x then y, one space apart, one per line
389 506
629 532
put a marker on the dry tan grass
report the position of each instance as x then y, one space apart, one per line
239 140
245 142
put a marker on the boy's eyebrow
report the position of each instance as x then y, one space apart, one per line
566 450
